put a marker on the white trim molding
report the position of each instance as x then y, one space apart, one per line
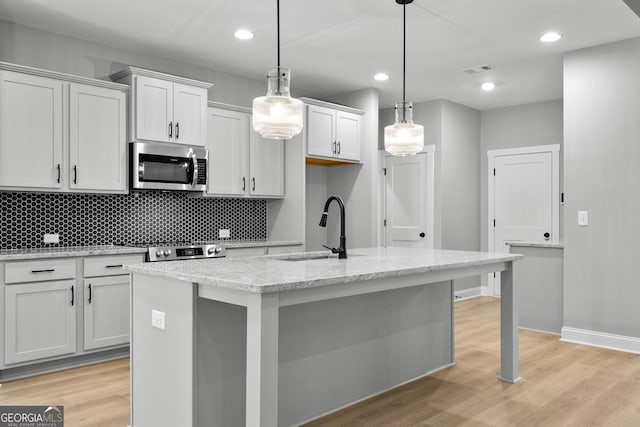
601 339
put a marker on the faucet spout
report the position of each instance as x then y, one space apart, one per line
342 250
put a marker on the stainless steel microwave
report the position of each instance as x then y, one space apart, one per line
168 166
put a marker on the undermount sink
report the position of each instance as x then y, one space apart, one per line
309 257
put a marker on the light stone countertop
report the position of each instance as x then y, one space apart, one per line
536 245
65 252
273 273
77 251
231 244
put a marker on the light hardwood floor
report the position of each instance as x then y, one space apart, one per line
563 385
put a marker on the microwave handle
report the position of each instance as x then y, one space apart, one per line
194 159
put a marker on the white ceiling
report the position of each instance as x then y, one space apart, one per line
335 46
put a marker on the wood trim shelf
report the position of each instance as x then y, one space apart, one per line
314 161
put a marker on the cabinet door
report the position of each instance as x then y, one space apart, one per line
106 311
30 131
348 135
266 164
154 109
40 320
320 131
97 141
227 142
189 114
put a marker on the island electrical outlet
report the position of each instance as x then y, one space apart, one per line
157 319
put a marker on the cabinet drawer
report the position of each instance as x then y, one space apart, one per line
36 271
109 265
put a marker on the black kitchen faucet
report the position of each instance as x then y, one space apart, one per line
342 250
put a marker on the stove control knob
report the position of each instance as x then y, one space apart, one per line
158 254
211 250
167 252
218 249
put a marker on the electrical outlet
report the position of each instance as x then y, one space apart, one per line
157 319
51 238
224 234
583 218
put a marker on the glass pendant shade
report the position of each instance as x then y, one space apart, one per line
404 138
277 115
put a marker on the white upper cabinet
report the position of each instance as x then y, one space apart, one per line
30 131
97 139
320 127
190 114
60 132
166 108
154 109
266 164
242 163
227 142
333 131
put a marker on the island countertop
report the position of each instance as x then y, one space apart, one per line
276 273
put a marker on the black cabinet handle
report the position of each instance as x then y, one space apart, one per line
338 147
170 129
89 293
58 167
113 266
75 174
422 234
72 296
49 270
334 147
177 130
546 236
253 184
244 183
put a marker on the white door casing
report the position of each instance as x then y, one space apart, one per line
409 199
523 199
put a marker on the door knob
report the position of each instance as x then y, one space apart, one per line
422 234
546 236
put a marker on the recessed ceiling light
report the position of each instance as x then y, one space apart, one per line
381 77
243 35
488 86
550 37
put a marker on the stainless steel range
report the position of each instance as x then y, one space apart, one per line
174 251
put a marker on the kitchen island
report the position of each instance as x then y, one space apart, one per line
279 340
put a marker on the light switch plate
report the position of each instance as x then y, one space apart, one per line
157 319
583 218
224 234
51 238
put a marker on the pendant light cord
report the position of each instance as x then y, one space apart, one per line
278 26
404 59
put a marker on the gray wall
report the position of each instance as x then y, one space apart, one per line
316 195
41 49
357 185
512 127
455 131
602 154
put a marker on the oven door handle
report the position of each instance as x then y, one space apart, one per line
194 160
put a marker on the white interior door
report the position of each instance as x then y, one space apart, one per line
524 198
409 200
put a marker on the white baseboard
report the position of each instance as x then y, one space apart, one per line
601 339
467 293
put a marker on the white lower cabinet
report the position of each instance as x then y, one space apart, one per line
40 320
106 311
55 308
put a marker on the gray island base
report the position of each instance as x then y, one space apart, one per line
281 340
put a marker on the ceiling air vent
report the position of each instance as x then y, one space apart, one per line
478 69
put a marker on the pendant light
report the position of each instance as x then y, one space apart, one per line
404 138
277 115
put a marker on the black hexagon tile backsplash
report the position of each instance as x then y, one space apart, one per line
140 217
